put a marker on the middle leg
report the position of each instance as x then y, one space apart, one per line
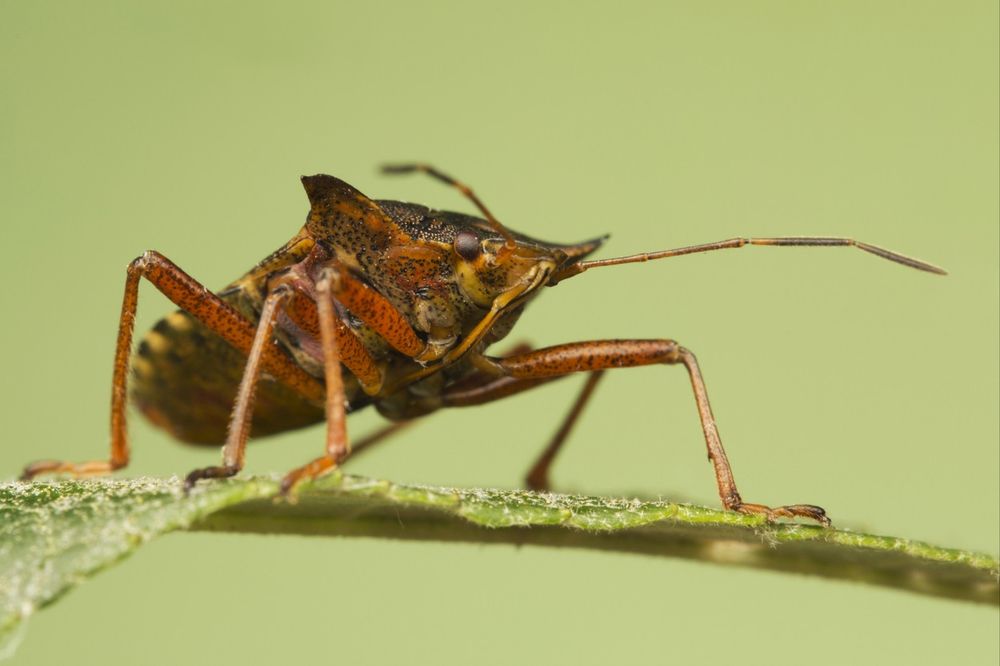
504 386
337 445
234 451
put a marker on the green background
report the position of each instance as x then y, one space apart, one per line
837 378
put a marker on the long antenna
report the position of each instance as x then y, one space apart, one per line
808 241
462 187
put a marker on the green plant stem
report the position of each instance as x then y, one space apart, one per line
53 534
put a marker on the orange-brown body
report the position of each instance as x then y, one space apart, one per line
185 376
383 303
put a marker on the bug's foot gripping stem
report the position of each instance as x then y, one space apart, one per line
538 481
218 472
78 470
809 511
308 472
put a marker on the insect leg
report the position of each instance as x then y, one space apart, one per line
337 446
217 315
465 395
234 451
376 311
592 356
538 475
383 433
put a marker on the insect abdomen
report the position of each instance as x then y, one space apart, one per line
184 379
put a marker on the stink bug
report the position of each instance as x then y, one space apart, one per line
377 303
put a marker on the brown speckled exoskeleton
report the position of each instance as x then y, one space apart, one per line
384 303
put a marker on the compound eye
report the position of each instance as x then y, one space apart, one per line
467 245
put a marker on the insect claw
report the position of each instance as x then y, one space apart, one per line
217 472
318 467
38 467
810 511
287 486
538 482
77 470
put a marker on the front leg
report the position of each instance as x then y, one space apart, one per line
531 367
337 445
293 290
234 451
206 307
